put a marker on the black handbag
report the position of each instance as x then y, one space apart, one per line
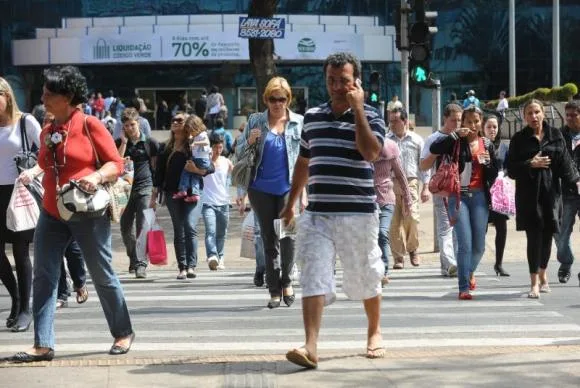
27 157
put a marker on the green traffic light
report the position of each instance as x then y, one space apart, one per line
374 97
419 74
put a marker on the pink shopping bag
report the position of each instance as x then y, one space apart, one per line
156 247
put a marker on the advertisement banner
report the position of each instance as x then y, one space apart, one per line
200 47
212 46
261 28
120 48
305 46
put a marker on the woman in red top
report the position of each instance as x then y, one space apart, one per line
478 170
66 153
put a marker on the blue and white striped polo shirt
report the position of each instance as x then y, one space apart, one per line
340 180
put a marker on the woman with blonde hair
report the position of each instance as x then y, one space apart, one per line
276 135
11 142
184 215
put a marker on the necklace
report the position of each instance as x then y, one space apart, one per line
55 141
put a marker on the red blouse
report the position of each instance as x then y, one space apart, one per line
74 155
477 178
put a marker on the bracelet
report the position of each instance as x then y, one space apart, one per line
101 175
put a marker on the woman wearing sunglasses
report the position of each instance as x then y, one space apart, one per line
276 135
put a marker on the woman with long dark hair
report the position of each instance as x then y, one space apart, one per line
538 161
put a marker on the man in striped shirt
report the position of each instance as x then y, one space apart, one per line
340 140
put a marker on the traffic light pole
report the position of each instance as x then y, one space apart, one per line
435 124
404 55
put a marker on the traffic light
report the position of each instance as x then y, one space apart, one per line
420 34
374 89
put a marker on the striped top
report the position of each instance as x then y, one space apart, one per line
340 180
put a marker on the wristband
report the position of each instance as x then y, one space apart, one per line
101 175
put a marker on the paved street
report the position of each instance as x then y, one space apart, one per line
215 331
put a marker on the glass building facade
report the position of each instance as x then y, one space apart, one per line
470 51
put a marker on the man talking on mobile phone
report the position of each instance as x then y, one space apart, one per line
340 140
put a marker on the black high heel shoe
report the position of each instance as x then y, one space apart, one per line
274 303
499 271
13 317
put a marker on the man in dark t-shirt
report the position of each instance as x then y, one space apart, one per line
140 153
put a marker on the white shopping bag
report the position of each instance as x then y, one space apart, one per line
149 220
22 213
247 247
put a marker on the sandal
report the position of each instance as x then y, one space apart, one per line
61 303
545 288
82 294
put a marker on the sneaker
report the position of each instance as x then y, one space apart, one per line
452 271
61 304
191 199
179 195
141 273
212 263
415 259
191 273
221 264
131 270
385 280
182 275
399 263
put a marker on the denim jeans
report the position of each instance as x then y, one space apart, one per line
385 216
470 229
216 220
259 246
184 217
445 235
93 236
76 267
571 210
138 202
191 182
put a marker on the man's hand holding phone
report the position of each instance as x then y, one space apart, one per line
356 95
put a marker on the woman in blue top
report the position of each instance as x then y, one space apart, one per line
276 132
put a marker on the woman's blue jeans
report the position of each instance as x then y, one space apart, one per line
216 225
184 217
470 230
93 236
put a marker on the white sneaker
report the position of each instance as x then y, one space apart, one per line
452 271
221 264
213 263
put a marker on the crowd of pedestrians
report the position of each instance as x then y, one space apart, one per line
332 183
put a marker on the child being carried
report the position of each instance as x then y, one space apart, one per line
190 183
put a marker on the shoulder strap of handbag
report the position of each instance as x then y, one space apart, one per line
455 159
23 135
86 128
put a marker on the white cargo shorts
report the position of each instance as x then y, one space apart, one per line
354 239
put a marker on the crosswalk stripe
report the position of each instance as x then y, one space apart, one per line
226 313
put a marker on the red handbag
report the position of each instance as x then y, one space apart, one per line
445 182
156 247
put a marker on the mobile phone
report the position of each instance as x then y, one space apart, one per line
358 82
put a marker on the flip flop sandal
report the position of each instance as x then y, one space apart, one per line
379 352
82 294
301 357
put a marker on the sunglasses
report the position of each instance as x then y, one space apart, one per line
473 108
274 100
178 120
